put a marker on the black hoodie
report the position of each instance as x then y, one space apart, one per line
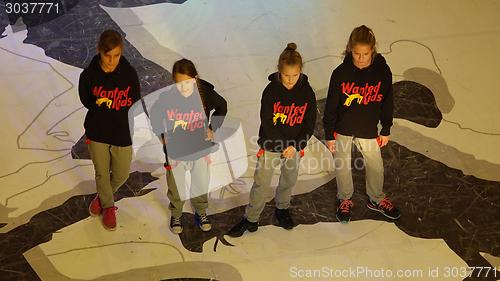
287 117
212 101
184 120
108 97
358 99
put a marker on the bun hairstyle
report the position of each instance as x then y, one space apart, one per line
291 46
361 35
109 40
290 56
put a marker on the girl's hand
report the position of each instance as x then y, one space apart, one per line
330 144
210 135
163 140
289 152
384 140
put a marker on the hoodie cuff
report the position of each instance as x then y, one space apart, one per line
386 131
214 127
298 148
330 135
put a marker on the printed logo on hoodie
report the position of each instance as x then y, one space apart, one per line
188 121
288 114
112 99
361 94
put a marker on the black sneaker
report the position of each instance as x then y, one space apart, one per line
176 225
203 222
241 227
284 218
344 210
385 207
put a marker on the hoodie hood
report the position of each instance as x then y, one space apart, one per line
205 85
378 61
275 79
94 65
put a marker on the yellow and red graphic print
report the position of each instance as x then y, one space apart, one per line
288 114
361 94
112 99
187 121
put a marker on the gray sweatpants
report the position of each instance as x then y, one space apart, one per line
266 165
112 167
178 191
373 164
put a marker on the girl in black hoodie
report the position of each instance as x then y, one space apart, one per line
181 118
287 115
107 88
359 97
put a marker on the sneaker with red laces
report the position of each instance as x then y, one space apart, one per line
95 207
385 207
344 210
109 218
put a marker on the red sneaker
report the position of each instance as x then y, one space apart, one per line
109 218
95 208
385 207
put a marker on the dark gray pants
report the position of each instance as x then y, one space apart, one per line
266 165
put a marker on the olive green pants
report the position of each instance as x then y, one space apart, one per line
178 192
112 168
